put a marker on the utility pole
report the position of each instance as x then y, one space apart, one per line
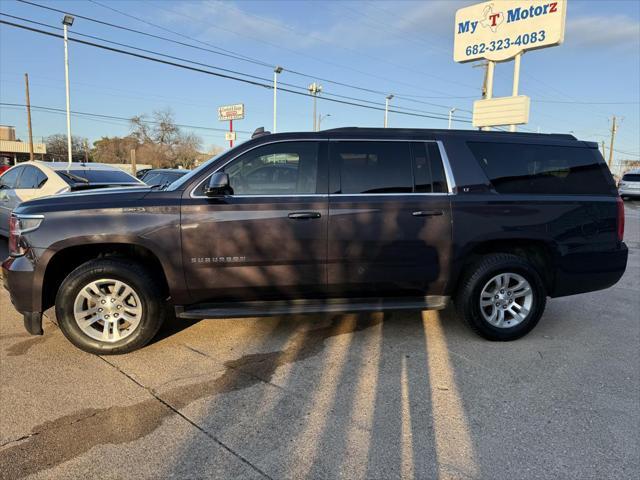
386 110
604 154
314 90
86 151
614 129
67 21
26 84
276 72
134 168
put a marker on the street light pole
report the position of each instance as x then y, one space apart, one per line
276 71
320 117
451 116
386 109
314 90
67 21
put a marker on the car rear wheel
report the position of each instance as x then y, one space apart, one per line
502 297
110 306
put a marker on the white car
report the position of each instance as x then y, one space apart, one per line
629 186
30 180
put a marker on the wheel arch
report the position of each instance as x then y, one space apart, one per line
542 254
67 259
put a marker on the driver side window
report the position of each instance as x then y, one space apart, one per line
287 168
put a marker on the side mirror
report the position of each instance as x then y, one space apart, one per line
218 185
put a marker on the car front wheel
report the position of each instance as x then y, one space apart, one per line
502 297
110 306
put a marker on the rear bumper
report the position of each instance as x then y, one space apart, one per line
629 192
588 272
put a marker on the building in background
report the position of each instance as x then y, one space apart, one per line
13 151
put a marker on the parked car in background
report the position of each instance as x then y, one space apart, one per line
4 165
30 180
162 176
629 186
335 221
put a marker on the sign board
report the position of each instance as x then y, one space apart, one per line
501 111
231 112
230 136
498 30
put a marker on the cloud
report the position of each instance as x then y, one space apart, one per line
352 25
613 31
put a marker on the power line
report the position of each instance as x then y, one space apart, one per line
255 77
222 51
217 74
228 53
114 117
295 72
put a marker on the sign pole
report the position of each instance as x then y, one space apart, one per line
231 130
491 66
516 82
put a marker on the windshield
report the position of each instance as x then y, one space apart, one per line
193 173
631 177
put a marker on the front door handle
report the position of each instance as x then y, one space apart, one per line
428 213
304 215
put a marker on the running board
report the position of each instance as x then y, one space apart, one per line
293 307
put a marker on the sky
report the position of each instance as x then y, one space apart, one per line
403 48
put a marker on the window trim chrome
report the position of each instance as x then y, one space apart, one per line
451 185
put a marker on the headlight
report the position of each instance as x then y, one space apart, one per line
19 225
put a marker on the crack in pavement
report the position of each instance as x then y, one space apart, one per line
61 440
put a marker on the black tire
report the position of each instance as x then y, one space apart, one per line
476 277
149 291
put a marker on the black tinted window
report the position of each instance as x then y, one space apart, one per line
31 178
9 178
286 168
373 167
428 170
544 169
631 177
77 176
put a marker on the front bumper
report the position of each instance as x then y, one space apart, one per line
20 278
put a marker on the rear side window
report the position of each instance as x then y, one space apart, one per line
10 177
543 169
373 167
31 178
631 177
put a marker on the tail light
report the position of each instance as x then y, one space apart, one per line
620 205
19 225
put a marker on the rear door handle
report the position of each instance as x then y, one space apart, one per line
304 215
428 213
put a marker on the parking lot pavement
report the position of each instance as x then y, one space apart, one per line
344 396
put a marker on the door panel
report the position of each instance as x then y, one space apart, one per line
394 243
256 245
388 245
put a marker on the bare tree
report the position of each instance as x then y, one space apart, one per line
57 147
161 143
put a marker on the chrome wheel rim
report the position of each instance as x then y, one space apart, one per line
107 310
506 299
